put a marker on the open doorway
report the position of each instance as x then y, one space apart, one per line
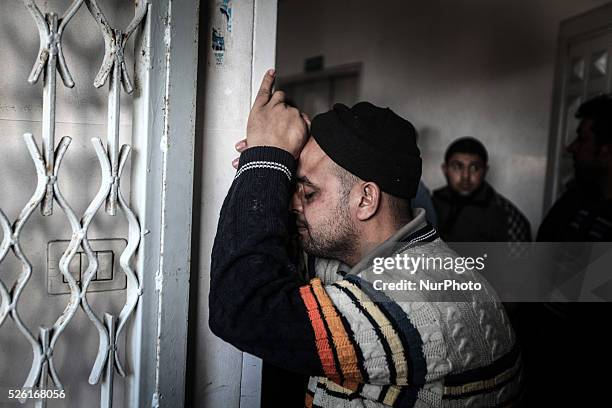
467 68
316 92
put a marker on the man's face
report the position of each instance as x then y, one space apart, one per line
585 152
325 226
464 173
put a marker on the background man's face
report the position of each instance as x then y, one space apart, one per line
585 152
324 224
464 173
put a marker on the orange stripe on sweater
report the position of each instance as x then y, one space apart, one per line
322 341
308 402
347 356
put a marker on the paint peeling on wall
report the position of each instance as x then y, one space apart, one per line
218 46
226 9
218 41
222 27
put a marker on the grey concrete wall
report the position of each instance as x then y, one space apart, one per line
454 68
81 114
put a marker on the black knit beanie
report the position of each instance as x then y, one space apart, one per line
372 143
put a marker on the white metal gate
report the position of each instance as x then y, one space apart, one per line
156 296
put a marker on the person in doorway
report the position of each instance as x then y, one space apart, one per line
349 192
550 330
584 212
468 208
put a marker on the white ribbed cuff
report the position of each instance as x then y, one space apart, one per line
262 164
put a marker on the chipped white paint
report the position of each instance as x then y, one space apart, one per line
158 281
164 125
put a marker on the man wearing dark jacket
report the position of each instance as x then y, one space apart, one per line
361 344
584 212
468 208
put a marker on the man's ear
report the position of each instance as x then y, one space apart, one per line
444 169
369 201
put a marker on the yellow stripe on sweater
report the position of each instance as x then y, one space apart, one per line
389 333
392 393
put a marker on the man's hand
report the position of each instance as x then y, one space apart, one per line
273 123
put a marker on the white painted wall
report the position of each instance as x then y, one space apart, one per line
221 376
454 68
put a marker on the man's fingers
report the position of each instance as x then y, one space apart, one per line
241 145
277 97
263 95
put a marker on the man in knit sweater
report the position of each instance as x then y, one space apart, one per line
364 343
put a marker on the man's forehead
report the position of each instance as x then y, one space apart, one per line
465 157
311 158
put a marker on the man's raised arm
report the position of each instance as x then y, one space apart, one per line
254 300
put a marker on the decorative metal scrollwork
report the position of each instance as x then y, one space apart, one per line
113 66
112 161
51 59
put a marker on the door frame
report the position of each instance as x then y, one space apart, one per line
162 188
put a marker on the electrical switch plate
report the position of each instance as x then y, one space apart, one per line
108 277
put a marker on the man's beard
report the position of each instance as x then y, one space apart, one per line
335 238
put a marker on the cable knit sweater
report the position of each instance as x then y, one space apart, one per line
362 347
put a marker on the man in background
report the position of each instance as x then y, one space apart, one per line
468 208
584 212
567 344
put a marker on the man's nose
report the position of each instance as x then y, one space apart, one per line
296 202
465 173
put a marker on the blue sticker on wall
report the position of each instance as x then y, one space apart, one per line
218 41
218 46
226 9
